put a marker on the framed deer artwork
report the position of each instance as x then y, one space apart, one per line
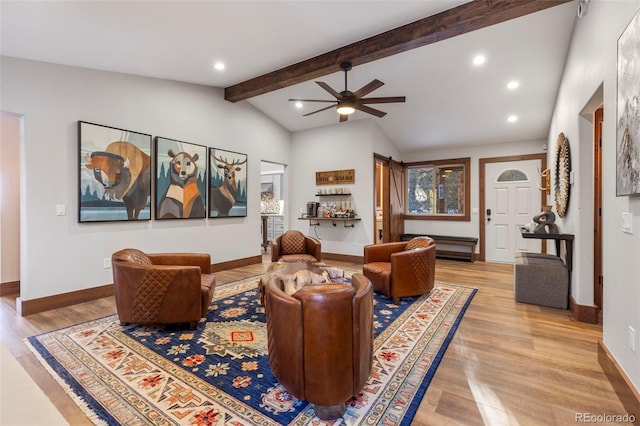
227 183
181 179
114 181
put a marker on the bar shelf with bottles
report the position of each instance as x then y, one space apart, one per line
338 209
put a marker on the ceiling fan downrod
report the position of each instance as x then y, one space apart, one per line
345 66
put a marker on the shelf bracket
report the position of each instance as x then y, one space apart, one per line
353 225
314 224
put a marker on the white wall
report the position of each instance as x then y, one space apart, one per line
60 255
9 198
349 145
471 228
591 63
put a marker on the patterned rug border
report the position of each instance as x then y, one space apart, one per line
97 414
90 408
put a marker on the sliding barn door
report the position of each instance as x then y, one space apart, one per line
396 200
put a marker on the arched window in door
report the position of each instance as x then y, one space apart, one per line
512 175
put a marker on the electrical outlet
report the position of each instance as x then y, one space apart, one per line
61 210
106 262
632 339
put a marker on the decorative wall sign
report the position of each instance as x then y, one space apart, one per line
114 181
227 183
628 111
562 187
336 177
181 179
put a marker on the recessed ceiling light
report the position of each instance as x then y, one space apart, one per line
479 60
512 118
219 66
299 104
512 85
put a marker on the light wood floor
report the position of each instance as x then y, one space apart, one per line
508 364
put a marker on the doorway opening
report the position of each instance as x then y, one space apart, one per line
380 230
272 202
590 156
598 278
10 165
389 186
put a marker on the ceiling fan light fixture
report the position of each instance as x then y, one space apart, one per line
345 108
346 102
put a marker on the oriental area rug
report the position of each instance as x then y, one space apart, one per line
219 374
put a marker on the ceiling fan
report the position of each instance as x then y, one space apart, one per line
347 102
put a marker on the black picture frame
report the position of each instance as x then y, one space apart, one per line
227 183
114 174
181 179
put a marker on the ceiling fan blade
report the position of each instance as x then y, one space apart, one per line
328 88
311 100
369 110
344 117
368 88
386 100
321 109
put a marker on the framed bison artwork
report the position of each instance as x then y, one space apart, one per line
114 174
181 180
227 183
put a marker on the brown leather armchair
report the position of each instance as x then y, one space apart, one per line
294 246
401 269
162 288
321 341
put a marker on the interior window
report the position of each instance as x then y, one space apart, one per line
437 190
512 175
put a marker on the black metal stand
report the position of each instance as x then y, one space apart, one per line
568 245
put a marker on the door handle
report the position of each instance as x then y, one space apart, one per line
488 215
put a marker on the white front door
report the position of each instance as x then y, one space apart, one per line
512 200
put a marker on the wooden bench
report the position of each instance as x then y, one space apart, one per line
446 246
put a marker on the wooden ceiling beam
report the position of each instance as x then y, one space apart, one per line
463 19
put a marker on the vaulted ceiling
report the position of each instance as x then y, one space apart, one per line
450 102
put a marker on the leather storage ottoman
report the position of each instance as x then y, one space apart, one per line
541 279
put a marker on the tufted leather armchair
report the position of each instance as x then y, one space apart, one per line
321 341
162 288
294 246
401 269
